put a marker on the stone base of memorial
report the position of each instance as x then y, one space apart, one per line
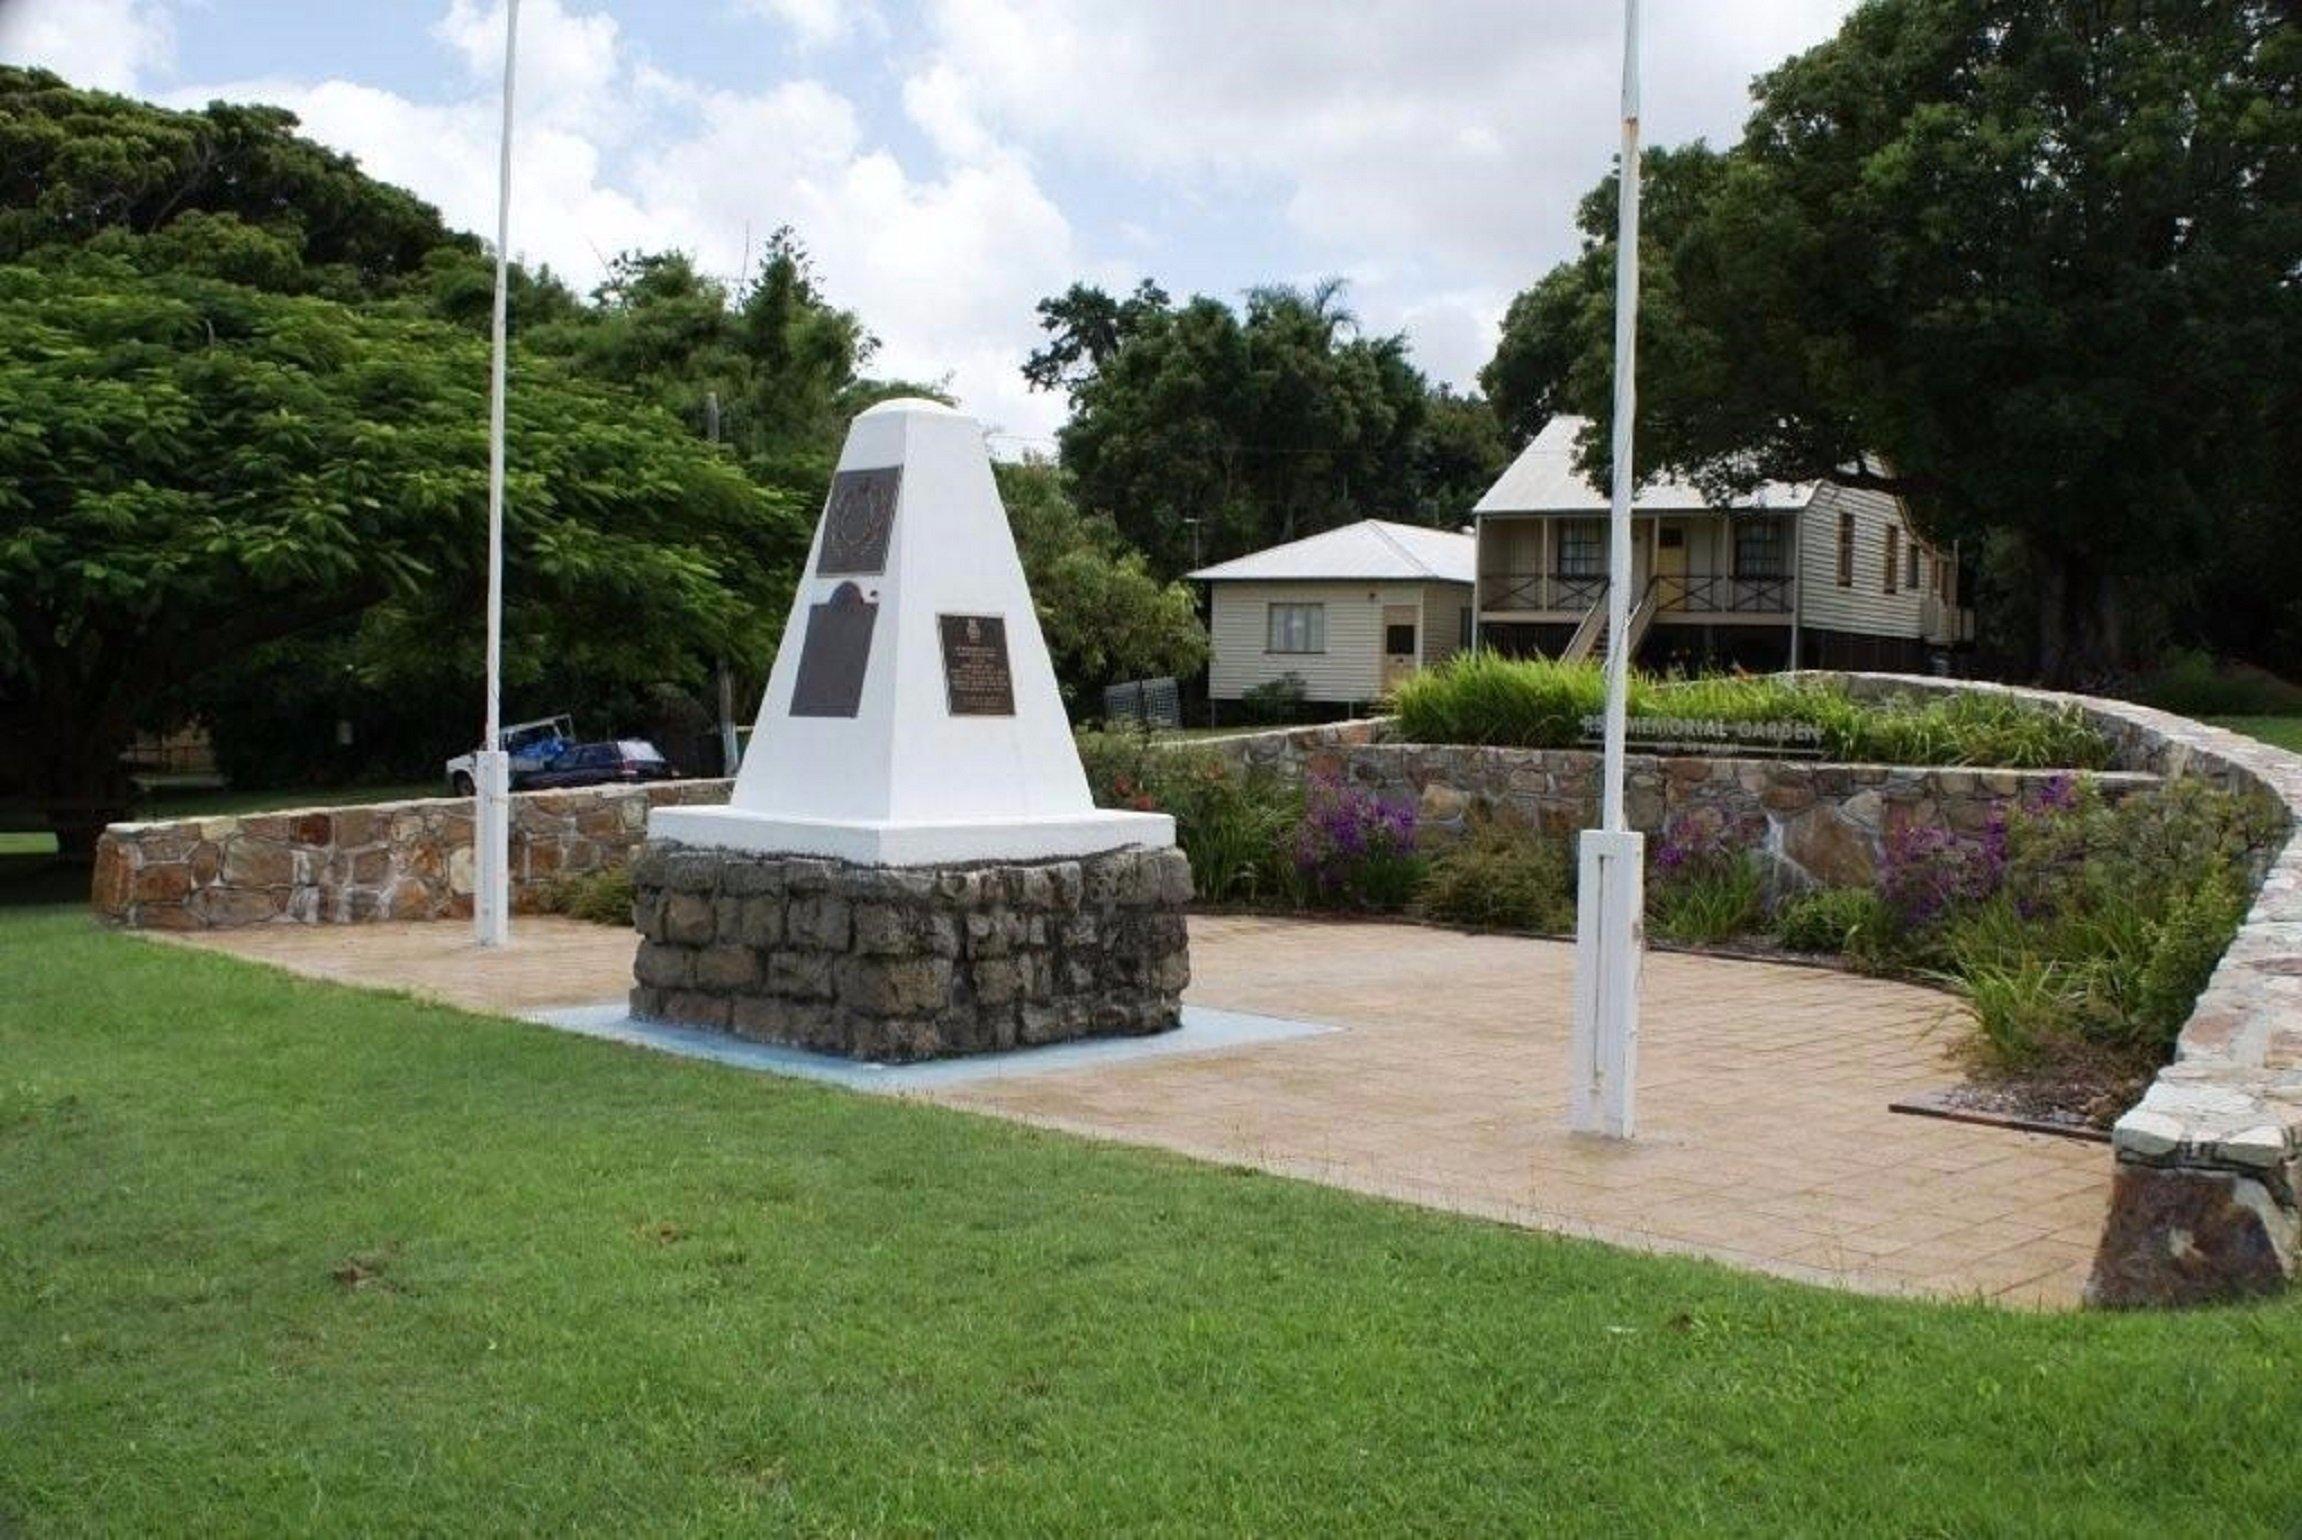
910 962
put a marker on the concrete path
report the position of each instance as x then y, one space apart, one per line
1765 1139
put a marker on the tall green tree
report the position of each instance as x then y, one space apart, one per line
192 469
2028 263
1105 617
1202 431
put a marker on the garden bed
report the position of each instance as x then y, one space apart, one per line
2072 911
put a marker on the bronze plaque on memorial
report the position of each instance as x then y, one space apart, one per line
976 681
858 521
834 655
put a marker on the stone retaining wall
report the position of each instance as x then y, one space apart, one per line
1813 823
898 963
387 861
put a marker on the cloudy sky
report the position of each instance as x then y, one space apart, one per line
951 161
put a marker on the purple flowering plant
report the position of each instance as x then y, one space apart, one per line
1354 849
1693 845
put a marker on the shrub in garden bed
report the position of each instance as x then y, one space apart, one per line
1541 703
1238 827
1502 875
603 897
2084 930
1355 850
1855 923
1702 886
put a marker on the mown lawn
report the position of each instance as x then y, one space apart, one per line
2285 732
282 1257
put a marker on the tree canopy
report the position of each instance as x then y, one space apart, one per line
1237 429
192 469
1105 617
2028 263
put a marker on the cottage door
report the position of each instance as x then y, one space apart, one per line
1401 634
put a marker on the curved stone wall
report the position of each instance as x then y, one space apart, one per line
2205 1203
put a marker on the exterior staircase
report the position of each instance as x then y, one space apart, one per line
1590 638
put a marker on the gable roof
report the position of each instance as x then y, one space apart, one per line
1368 551
1543 479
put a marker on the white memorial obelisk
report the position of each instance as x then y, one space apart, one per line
1610 905
912 717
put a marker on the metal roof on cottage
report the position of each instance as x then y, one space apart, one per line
1371 550
1543 479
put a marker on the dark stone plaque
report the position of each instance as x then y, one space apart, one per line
976 680
834 654
858 521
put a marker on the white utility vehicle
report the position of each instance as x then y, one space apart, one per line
531 745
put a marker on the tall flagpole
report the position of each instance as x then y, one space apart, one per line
1610 928
491 877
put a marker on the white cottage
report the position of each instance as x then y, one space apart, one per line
1814 575
1350 612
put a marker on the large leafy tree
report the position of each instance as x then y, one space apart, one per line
1203 431
771 366
2029 263
1105 617
192 469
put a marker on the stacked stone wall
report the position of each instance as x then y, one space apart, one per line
387 861
898 963
1812 823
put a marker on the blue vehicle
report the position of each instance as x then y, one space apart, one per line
597 764
532 745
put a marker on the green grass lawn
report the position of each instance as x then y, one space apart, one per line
2285 732
282 1257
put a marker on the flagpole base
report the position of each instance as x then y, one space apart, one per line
491 847
1610 954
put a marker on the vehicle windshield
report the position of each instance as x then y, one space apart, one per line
640 749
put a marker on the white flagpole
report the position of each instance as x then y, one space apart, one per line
491 877
1610 931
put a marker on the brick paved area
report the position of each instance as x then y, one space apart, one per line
1765 1139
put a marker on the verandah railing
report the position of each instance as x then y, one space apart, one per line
1673 593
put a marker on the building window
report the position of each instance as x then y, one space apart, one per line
1762 548
1910 570
1846 550
1582 548
1893 555
1399 641
1297 628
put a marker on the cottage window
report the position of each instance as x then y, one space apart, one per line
1893 554
1297 628
1846 550
1762 548
1910 570
1583 548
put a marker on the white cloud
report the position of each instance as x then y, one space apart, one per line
613 153
111 45
820 23
1439 146
1433 150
